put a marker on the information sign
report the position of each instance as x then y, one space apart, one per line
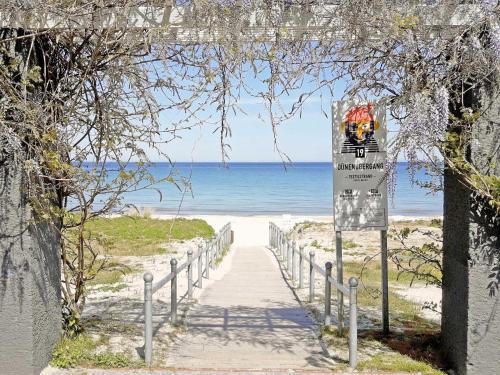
359 133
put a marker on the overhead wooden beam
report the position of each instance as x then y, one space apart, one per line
189 23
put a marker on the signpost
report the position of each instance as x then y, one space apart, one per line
359 140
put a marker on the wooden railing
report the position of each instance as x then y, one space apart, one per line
212 251
287 253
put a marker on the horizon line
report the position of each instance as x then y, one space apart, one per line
234 161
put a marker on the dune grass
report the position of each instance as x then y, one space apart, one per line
369 290
140 236
408 352
80 351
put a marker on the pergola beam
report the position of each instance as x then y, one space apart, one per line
187 23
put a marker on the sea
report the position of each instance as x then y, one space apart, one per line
266 189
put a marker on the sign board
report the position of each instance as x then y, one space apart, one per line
359 135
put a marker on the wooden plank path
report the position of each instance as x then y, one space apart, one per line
249 319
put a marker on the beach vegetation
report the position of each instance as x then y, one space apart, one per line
81 351
396 362
109 271
370 295
422 262
303 225
409 351
142 236
421 223
223 253
348 244
316 244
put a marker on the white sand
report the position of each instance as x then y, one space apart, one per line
251 230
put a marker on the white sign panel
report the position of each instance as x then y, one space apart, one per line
359 134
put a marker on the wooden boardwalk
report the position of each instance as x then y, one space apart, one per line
249 319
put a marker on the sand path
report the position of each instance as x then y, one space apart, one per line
249 319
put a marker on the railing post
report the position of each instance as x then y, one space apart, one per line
340 280
173 292
301 267
279 245
212 252
328 294
283 247
353 322
294 262
200 266
148 318
207 259
289 256
311 276
385 283
190 273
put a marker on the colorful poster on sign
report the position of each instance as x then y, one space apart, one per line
359 133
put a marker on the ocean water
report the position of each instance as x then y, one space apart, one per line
267 189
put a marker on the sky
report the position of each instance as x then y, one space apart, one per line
303 139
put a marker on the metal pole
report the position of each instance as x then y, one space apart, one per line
219 247
311 276
289 256
148 318
173 292
385 283
273 233
328 294
285 251
190 273
301 267
207 259
281 245
340 280
294 262
212 253
353 322
200 266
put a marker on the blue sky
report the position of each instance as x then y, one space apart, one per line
304 139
